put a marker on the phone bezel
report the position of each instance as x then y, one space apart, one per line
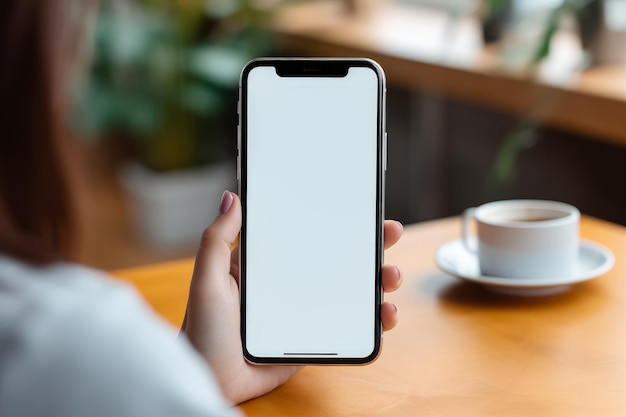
313 67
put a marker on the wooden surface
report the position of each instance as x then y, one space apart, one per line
418 52
459 349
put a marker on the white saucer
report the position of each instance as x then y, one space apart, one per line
593 261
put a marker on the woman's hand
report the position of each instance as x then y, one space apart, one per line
212 318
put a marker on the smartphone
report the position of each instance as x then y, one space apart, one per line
311 166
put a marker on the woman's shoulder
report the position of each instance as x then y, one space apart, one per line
73 336
64 306
23 279
52 294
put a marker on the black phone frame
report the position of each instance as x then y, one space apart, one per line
314 67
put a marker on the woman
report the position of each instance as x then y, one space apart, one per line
72 342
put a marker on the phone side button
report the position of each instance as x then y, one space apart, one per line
385 153
238 152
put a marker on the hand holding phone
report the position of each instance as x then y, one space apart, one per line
212 317
212 320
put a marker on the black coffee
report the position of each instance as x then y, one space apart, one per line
534 219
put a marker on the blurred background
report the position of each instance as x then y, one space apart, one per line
487 99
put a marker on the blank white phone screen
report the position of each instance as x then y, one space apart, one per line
311 214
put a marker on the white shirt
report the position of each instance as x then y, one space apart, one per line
74 343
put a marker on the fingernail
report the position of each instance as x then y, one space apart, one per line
399 276
227 202
398 272
395 307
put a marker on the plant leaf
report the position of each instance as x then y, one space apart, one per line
495 6
520 137
543 50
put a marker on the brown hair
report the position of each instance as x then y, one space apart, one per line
35 207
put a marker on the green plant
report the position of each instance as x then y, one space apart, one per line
523 134
586 13
162 72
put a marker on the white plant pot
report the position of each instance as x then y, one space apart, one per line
172 209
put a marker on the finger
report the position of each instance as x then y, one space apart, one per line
388 315
214 254
393 232
391 277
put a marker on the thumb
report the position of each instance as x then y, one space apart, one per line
214 255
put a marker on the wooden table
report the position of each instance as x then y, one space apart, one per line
459 349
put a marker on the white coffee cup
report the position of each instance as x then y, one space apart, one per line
524 238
